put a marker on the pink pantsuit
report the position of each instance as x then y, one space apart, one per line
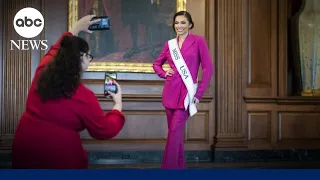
195 52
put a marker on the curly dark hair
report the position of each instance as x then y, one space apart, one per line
62 75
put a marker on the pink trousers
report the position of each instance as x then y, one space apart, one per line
173 157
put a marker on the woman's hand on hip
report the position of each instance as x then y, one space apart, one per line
83 25
169 72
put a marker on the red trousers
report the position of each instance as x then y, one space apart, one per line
173 157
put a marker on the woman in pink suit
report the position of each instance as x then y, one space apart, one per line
181 92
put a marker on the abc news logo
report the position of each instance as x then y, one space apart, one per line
28 23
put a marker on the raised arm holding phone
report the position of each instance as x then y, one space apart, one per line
59 106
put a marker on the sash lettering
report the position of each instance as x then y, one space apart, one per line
185 74
175 53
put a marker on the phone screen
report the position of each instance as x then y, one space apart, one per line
104 24
111 88
109 85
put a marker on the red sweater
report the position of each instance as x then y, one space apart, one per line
47 135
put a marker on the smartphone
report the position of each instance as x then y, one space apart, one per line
109 85
103 24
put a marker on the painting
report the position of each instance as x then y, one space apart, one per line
139 29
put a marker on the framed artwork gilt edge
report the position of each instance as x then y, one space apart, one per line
115 66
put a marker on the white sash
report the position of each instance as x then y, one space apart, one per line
185 75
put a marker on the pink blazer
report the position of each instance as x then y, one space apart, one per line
195 52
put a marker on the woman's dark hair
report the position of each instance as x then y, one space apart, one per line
62 75
185 14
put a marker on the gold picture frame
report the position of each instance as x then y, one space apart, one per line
116 66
